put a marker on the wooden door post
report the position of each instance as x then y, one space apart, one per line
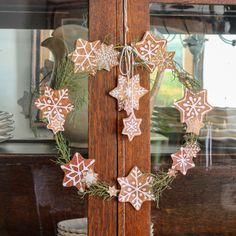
137 152
115 155
102 215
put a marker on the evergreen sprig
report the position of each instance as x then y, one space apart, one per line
62 148
66 78
99 189
161 182
186 79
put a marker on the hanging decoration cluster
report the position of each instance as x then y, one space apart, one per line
88 57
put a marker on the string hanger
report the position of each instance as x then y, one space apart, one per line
126 20
127 55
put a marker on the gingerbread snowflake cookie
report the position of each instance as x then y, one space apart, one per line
192 149
55 105
106 57
128 92
164 60
84 57
136 188
193 105
79 172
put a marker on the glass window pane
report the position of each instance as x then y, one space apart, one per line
203 38
34 36
33 39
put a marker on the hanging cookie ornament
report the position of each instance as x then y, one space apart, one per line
55 105
84 57
131 126
136 188
132 92
128 92
106 57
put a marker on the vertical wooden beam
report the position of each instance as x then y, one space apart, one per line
137 152
105 19
102 215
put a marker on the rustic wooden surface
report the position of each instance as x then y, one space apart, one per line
137 152
32 197
102 121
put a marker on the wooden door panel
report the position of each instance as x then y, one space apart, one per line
115 155
137 152
102 215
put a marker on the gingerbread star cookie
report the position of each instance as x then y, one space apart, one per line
131 126
182 161
112 191
147 49
56 124
164 60
193 105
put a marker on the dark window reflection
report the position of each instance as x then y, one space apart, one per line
204 39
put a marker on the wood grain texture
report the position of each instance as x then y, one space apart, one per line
137 152
218 2
102 215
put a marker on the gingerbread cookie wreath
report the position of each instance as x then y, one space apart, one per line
89 57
